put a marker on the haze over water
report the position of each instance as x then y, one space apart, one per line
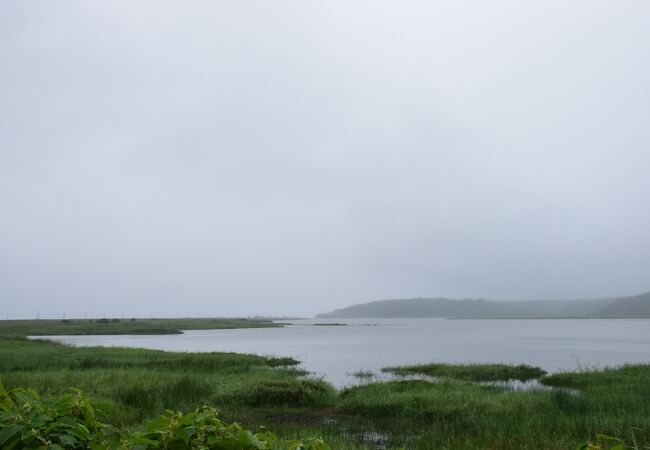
335 352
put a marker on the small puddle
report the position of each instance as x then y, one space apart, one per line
518 385
377 439
529 385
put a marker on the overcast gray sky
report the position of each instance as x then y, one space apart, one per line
290 157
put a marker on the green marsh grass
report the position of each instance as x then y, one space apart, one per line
130 386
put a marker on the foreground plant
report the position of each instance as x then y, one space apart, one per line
70 422
606 442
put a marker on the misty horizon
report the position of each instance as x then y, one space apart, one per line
51 314
287 159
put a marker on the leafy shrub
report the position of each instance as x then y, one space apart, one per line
202 429
69 422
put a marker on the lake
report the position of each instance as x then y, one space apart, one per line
335 352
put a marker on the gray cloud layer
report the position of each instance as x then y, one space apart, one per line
235 158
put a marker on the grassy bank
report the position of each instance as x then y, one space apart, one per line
130 386
44 327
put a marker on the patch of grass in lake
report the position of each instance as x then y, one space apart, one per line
471 372
596 379
363 374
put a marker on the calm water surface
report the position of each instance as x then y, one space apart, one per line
335 352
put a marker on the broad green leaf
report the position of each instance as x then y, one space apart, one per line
605 437
145 441
67 439
5 400
7 433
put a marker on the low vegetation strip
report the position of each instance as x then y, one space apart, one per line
471 372
20 355
47 327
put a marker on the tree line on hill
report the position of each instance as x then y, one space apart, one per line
637 306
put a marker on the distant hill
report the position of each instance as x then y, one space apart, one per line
420 307
635 306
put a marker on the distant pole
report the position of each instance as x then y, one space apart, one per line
38 315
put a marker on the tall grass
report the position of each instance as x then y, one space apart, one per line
134 384
17 353
309 393
458 415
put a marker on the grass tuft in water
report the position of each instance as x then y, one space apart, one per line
471 372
